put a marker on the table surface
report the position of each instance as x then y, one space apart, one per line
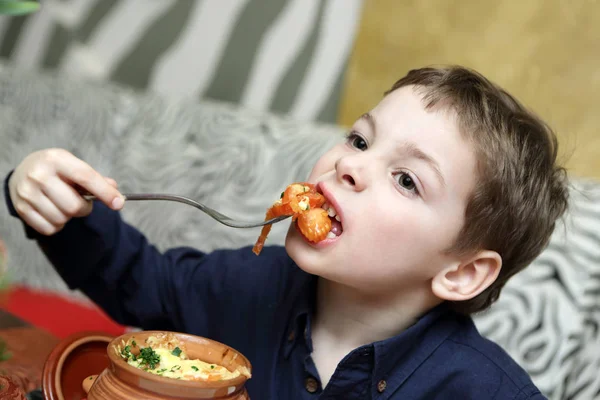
28 347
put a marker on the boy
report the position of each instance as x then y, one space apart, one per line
443 191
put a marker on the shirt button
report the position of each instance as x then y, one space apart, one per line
311 385
381 386
291 336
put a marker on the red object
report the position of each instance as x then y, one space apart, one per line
59 314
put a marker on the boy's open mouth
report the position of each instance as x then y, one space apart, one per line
336 224
327 220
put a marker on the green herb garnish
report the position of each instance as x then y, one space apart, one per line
194 368
133 343
212 367
149 357
4 353
126 352
175 368
176 351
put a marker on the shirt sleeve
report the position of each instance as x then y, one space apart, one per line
182 289
535 396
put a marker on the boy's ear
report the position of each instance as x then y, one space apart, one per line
466 280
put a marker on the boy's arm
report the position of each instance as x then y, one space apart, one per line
114 265
538 396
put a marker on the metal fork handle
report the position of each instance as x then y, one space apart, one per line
224 219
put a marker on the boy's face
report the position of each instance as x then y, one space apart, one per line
400 183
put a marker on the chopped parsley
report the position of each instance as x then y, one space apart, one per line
149 357
176 351
212 367
175 368
194 368
4 353
126 352
133 343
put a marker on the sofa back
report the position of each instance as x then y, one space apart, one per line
238 161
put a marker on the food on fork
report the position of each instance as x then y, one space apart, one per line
164 355
302 201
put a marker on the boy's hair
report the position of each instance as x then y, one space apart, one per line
520 191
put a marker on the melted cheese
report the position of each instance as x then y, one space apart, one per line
172 366
304 203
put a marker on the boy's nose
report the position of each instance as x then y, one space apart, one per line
350 172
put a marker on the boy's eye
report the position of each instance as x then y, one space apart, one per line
406 181
357 142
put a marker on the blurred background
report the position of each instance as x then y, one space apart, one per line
222 100
325 60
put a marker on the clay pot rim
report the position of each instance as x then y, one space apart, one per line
119 362
62 350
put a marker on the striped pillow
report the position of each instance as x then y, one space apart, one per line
282 56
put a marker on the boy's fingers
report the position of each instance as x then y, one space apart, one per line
85 210
111 182
50 211
35 220
66 198
78 172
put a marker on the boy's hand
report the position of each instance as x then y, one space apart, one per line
46 188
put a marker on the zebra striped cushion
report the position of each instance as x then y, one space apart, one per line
547 317
284 56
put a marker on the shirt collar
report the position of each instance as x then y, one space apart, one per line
398 357
395 358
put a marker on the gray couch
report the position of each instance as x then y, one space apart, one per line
237 160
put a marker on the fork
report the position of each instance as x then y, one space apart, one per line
224 219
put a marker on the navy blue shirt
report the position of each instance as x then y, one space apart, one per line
263 306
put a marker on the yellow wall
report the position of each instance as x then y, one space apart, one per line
545 52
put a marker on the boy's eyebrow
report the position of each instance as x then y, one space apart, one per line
370 120
411 149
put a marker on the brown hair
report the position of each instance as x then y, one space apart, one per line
521 191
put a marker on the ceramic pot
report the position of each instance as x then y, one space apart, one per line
71 361
121 381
